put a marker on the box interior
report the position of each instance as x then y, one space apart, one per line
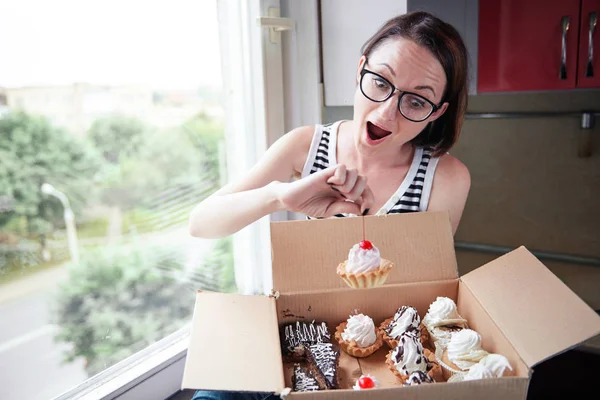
334 307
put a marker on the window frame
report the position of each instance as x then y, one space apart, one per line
293 96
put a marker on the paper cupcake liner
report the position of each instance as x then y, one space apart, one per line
365 280
392 343
433 338
448 371
457 378
352 347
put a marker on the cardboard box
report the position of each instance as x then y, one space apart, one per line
519 307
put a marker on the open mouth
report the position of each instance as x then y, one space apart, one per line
376 133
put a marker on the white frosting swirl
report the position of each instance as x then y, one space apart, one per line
408 355
464 348
478 371
497 363
361 260
361 329
442 312
490 366
405 319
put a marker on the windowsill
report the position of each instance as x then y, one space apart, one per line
153 373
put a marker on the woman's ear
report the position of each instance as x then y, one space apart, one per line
361 64
439 112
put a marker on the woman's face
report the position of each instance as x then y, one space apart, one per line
410 68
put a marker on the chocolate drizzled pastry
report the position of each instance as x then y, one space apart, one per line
303 380
295 337
409 355
409 319
323 360
418 377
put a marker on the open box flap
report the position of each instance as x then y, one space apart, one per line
537 312
234 344
306 253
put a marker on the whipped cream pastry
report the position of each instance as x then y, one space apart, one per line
464 349
361 329
405 319
408 356
363 257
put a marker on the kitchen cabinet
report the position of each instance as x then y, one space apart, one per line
536 45
588 72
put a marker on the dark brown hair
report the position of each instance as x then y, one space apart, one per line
445 43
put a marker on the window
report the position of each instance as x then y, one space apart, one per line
97 181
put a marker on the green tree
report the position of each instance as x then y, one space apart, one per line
208 137
183 156
216 271
33 151
117 302
116 136
120 300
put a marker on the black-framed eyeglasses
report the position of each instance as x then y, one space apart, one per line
412 106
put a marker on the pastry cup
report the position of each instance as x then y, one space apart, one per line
435 372
352 348
365 280
390 363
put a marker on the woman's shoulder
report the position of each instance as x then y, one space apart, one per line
451 169
301 138
294 146
302 133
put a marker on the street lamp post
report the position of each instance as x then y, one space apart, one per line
69 219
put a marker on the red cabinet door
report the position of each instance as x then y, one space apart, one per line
589 48
522 46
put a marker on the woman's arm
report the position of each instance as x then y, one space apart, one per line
451 185
266 189
238 204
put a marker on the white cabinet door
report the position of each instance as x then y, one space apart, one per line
463 15
345 26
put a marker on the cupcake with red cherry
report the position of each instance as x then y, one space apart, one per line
364 267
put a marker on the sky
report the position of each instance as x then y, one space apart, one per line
166 44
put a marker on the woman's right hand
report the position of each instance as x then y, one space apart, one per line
332 191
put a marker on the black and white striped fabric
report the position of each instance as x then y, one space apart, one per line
413 193
411 199
321 158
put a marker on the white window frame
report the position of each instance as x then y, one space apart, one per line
254 96
156 372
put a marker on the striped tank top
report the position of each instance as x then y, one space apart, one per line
411 196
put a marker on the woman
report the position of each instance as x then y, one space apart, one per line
410 101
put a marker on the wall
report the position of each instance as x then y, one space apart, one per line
529 187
